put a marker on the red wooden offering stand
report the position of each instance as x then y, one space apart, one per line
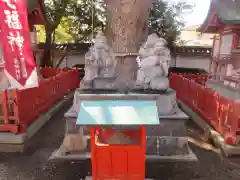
118 162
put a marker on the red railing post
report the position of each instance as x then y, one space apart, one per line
4 102
28 104
218 111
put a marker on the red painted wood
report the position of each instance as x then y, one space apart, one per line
220 112
13 128
20 108
36 16
118 161
235 41
4 103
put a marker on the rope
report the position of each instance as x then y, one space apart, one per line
92 22
78 23
123 54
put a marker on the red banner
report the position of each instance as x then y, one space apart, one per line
19 65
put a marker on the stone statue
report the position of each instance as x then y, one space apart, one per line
99 62
154 58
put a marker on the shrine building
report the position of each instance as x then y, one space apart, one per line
223 19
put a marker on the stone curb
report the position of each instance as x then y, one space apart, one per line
13 139
210 133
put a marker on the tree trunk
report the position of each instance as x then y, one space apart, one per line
126 29
46 60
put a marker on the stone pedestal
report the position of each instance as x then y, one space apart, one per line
126 72
74 140
172 119
166 103
104 83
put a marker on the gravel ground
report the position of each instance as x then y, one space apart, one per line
34 164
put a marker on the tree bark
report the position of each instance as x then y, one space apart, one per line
126 29
46 60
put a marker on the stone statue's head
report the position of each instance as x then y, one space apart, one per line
100 38
151 40
161 42
161 49
152 37
100 35
101 41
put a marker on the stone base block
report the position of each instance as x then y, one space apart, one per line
166 103
104 83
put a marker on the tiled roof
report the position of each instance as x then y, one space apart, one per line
228 11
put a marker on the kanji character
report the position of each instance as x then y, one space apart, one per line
17 40
12 19
10 4
17 69
23 68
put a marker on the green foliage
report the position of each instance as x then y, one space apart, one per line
166 19
53 12
84 17
41 34
62 33
81 17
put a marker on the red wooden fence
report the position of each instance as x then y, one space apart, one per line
221 113
21 107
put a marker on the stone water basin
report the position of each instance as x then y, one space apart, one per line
165 135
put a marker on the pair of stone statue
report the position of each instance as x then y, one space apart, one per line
153 56
154 59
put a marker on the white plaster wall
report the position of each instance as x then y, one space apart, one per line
68 61
193 62
216 48
71 60
189 62
193 38
226 44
